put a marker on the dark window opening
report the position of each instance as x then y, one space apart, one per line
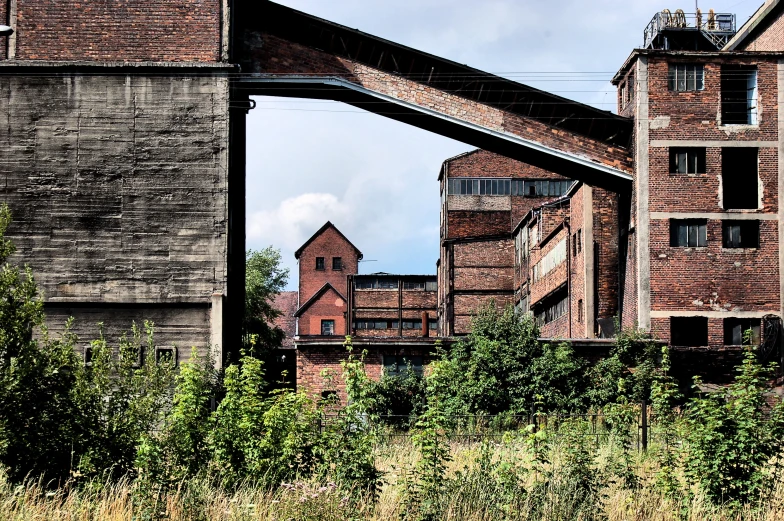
319 263
689 331
738 95
376 323
688 233
686 77
398 365
330 395
579 241
552 312
580 311
741 331
337 263
687 161
327 327
740 234
739 178
165 354
574 245
375 283
88 356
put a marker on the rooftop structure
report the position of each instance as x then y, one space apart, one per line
689 31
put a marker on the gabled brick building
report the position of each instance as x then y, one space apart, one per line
392 318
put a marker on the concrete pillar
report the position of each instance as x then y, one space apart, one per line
589 263
642 233
780 78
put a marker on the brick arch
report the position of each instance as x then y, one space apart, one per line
287 53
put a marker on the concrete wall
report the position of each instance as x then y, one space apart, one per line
117 183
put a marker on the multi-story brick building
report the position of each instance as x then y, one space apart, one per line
392 318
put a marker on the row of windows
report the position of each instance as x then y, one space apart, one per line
692 233
550 261
393 324
738 89
337 263
527 188
398 365
388 283
693 331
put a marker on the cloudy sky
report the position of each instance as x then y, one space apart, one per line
376 179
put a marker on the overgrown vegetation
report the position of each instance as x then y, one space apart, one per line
128 436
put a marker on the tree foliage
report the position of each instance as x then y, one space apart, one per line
264 279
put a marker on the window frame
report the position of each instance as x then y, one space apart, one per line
324 322
701 232
321 264
729 325
700 159
747 96
678 72
752 228
339 263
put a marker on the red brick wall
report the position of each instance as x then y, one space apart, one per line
605 236
4 21
770 38
141 30
558 328
577 289
313 360
555 278
329 306
696 114
464 224
329 244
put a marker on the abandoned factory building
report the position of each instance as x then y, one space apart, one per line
123 164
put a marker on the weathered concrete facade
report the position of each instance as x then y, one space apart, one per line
118 188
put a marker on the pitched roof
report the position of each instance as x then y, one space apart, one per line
286 303
319 232
756 22
326 287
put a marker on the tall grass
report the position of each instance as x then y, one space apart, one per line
475 489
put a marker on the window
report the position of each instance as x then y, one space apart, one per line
375 283
553 312
736 329
376 323
479 187
686 77
330 395
739 178
165 354
540 188
398 365
738 95
432 325
687 160
550 261
579 241
319 263
574 245
327 327
88 356
337 263
580 311
740 234
412 324
689 331
688 233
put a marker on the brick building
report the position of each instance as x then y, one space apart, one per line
393 318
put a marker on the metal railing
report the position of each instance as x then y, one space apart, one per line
717 27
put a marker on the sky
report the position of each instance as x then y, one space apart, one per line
312 161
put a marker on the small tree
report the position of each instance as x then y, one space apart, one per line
264 279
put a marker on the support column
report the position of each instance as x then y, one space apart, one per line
642 234
216 329
780 78
589 263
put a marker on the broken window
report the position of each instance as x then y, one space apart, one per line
738 95
540 187
740 234
739 178
327 327
319 263
687 160
375 283
688 233
686 76
337 263
553 312
397 365
689 331
165 354
741 331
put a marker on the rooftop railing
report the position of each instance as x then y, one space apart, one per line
717 27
